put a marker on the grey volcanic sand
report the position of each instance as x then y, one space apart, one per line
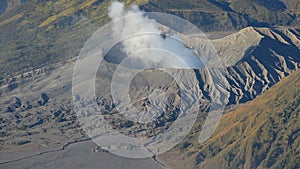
77 156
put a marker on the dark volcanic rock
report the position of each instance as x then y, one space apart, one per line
44 99
15 103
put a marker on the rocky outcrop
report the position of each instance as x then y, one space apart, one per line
44 99
255 60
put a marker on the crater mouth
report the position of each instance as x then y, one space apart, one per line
168 52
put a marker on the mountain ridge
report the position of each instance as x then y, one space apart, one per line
40 32
263 133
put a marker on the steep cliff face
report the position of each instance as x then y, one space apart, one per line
255 59
276 56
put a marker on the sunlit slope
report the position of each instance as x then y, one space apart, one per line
264 133
39 32
293 5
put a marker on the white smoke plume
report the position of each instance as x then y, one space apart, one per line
149 46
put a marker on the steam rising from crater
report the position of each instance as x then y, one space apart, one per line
150 46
